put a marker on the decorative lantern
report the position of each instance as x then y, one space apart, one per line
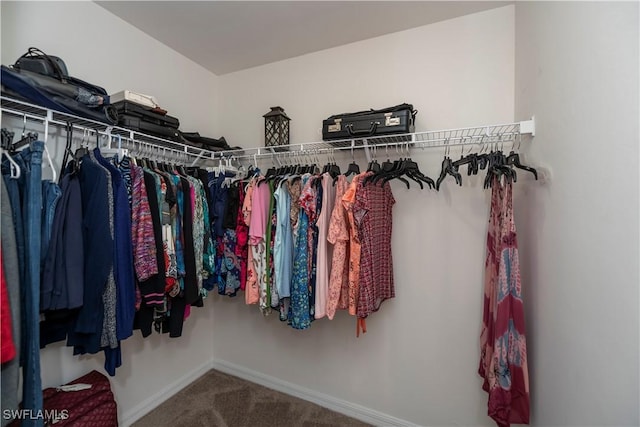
276 129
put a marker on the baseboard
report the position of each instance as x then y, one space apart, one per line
352 410
150 403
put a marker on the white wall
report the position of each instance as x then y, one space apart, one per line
419 360
103 49
577 71
574 66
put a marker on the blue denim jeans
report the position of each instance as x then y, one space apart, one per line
51 193
14 190
32 212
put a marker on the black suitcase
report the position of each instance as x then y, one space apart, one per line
388 121
131 109
142 126
203 141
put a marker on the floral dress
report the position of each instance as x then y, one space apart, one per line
339 238
348 201
231 263
242 238
299 317
309 202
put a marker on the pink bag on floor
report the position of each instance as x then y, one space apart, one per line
84 402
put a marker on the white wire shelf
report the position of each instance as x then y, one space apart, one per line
52 117
476 135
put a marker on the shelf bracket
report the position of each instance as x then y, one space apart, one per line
528 126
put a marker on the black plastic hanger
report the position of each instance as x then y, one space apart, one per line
26 139
82 150
271 172
67 150
7 139
374 166
448 168
352 169
412 170
514 160
388 172
334 170
498 167
471 160
404 171
386 169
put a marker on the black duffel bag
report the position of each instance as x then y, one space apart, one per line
44 80
196 140
387 121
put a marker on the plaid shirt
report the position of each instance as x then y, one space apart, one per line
372 214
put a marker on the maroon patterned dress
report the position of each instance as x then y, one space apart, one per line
372 213
503 349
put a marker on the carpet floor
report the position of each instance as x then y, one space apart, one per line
220 400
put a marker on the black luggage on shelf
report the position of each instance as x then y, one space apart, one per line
370 123
205 142
139 125
130 109
43 80
145 120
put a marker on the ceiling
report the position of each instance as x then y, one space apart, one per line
228 36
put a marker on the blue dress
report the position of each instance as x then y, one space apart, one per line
299 317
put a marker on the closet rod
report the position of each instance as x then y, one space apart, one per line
487 134
48 116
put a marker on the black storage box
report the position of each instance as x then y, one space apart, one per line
131 110
140 125
388 121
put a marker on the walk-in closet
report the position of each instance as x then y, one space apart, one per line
184 241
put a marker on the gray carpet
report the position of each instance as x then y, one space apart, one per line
220 400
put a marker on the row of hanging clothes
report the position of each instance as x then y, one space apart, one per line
117 244
120 243
305 242
147 250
